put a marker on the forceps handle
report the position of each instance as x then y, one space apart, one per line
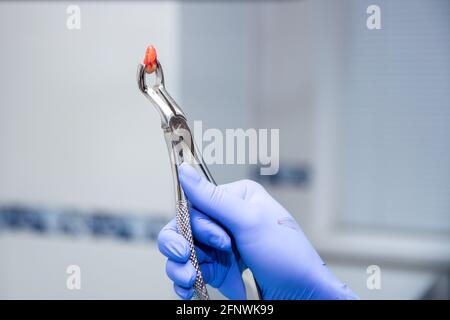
181 146
184 227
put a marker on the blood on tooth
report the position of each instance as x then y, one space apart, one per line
150 59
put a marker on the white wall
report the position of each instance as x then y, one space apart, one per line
74 128
76 132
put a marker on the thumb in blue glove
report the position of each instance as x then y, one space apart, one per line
267 239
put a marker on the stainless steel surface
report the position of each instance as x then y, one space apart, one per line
184 227
157 94
181 147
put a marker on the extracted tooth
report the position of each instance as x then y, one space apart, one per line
150 59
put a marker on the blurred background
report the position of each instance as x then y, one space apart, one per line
364 119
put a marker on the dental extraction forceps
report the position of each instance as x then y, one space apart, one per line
181 148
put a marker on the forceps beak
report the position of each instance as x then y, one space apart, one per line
142 77
157 94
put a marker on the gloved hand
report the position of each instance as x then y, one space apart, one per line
267 239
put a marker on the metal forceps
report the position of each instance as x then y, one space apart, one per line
181 147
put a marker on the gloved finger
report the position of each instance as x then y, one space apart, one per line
182 274
239 188
209 232
207 270
230 282
246 189
205 253
172 244
183 293
232 285
226 208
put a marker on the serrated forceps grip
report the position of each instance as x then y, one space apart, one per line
181 147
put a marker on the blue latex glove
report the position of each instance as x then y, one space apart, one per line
267 239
